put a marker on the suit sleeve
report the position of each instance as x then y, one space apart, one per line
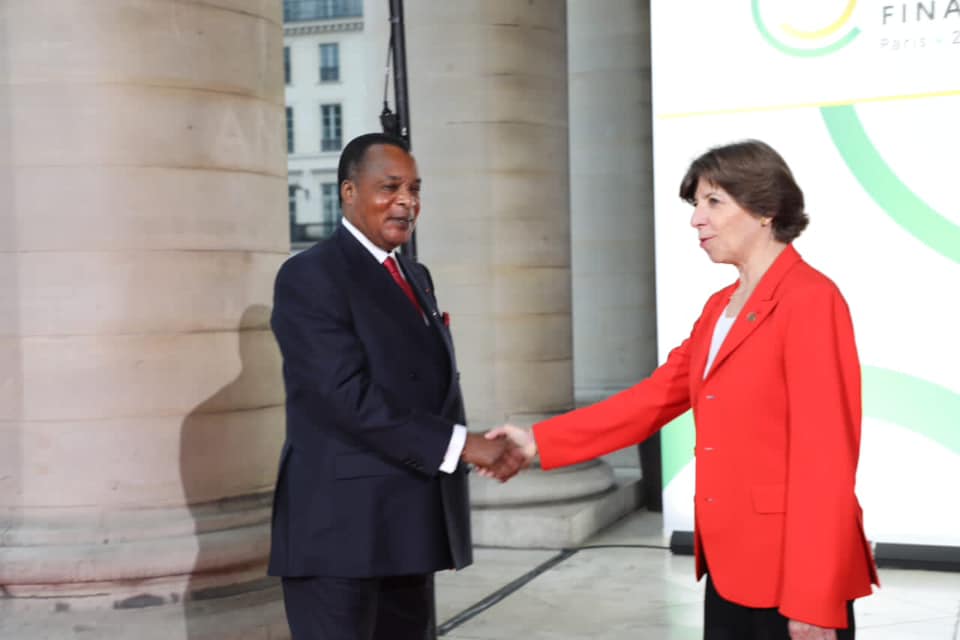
329 376
626 418
824 548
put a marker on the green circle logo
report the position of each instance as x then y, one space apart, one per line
875 176
809 43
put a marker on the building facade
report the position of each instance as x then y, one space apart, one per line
325 69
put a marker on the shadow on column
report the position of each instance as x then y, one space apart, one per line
228 594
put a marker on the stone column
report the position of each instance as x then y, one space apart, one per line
488 91
611 187
143 219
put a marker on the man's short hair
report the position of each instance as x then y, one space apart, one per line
351 158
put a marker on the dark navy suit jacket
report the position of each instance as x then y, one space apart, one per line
372 397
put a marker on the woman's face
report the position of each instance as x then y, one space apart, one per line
727 232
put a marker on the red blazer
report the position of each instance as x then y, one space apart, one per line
778 438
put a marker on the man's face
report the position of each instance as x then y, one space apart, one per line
383 198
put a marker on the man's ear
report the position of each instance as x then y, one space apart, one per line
347 191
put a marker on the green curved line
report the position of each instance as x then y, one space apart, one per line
795 51
920 406
882 184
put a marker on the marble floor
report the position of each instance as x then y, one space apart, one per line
624 583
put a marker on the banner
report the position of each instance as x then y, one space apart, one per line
862 99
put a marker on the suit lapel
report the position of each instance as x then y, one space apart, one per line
757 308
428 304
424 295
373 279
700 346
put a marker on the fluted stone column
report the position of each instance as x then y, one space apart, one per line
143 219
488 91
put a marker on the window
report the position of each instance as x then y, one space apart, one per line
292 200
290 130
301 10
296 231
331 207
329 62
331 133
286 64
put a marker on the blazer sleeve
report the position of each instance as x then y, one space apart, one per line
826 559
626 418
328 375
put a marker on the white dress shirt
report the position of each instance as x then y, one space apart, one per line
459 437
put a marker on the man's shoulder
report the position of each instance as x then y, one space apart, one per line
323 254
318 267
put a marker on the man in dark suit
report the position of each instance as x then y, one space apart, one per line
371 496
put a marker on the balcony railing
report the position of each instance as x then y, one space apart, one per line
329 74
306 10
312 231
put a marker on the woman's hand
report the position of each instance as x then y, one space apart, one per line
803 631
520 439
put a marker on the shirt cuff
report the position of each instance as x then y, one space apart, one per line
457 441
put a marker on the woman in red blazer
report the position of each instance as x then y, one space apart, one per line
771 372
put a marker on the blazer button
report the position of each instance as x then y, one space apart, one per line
414 375
710 396
710 500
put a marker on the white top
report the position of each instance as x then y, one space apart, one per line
720 332
459 437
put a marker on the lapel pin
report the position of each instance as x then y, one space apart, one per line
751 317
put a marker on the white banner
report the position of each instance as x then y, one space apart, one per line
862 99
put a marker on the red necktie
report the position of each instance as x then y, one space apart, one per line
391 266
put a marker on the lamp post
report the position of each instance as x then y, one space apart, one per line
398 123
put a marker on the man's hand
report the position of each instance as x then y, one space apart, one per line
803 631
494 458
521 447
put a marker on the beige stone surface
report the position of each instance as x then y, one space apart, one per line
206 45
490 134
96 377
533 387
142 220
133 292
108 124
100 208
126 463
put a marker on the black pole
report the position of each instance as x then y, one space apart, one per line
398 44
399 40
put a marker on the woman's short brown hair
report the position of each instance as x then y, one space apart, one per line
757 178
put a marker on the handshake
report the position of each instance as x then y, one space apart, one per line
500 453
